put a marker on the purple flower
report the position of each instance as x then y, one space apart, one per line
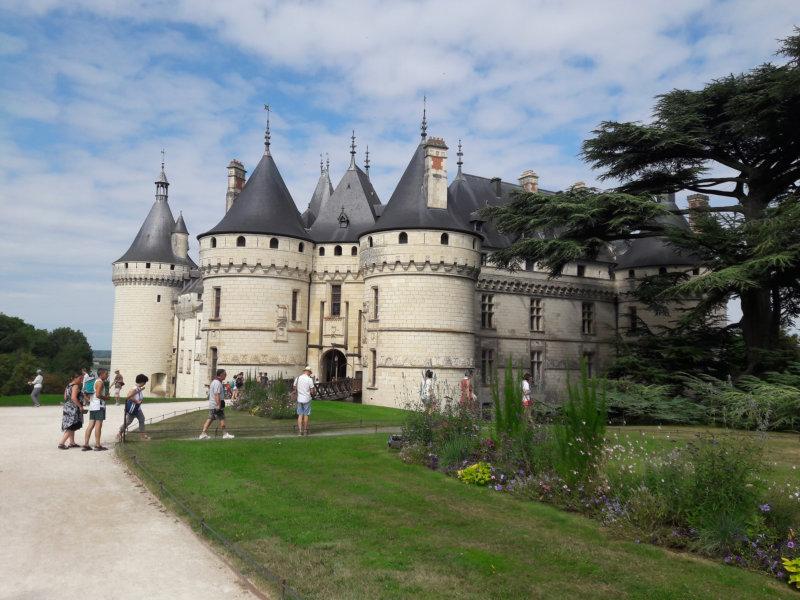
765 508
498 488
728 559
790 544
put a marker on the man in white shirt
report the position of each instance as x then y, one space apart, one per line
37 387
305 389
216 406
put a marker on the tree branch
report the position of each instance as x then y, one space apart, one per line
712 191
737 208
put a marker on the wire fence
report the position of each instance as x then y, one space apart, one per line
246 558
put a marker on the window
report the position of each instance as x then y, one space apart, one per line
189 361
588 359
633 319
473 243
146 265
301 247
273 243
374 302
662 270
374 365
322 250
217 302
581 272
180 362
172 267
444 240
199 326
337 251
336 300
295 298
487 311
631 274
158 298
126 265
484 259
354 251
214 362
240 242
487 365
403 238
369 239
213 242
537 315
529 265
587 318
695 271
537 361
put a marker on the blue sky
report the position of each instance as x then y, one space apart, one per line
91 90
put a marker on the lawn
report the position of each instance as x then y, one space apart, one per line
55 399
343 517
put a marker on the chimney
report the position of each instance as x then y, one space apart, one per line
696 201
529 181
578 185
498 190
435 182
236 174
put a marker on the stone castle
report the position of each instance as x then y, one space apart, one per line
358 288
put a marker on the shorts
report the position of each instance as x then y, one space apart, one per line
97 415
304 408
527 403
216 413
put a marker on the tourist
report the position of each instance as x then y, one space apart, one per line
527 403
89 381
72 414
118 383
467 398
97 411
133 408
304 387
426 391
216 406
238 385
37 387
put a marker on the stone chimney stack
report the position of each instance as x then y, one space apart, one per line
435 183
236 175
695 201
529 181
497 185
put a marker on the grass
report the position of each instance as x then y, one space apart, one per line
56 399
343 517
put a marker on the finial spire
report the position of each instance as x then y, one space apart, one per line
321 167
353 150
424 127
266 133
161 181
460 154
327 163
162 159
366 162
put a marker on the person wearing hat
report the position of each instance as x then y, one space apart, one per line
37 387
119 382
305 389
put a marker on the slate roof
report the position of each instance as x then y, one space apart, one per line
408 207
264 206
356 195
180 225
321 194
656 251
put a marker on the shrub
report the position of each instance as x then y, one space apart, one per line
781 510
792 566
580 434
272 401
529 450
456 449
478 474
636 403
414 454
508 419
436 427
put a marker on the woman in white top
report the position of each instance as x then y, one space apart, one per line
133 408
527 402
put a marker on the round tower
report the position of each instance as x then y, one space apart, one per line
146 280
420 265
256 264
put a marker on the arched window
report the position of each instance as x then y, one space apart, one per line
369 239
354 251
213 242
322 250
337 251
240 242
301 247
273 243
473 243
662 270
445 239
403 238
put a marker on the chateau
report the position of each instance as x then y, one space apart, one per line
359 288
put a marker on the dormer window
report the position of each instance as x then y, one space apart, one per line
403 238
273 243
240 242
344 222
322 250
662 270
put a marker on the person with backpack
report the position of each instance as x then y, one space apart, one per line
97 411
216 406
87 388
72 414
133 408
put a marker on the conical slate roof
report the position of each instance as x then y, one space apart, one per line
408 207
656 251
321 194
354 199
264 206
180 225
153 243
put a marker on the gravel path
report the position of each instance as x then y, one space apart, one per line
75 525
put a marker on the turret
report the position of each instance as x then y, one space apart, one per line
180 238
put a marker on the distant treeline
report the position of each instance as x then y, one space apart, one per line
23 349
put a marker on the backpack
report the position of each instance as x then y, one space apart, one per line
88 387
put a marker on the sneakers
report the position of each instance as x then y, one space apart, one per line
227 436
203 436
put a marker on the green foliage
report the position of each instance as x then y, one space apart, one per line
456 449
272 401
508 413
636 403
792 566
478 474
436 427
580 434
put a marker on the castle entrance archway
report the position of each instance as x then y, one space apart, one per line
334 366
